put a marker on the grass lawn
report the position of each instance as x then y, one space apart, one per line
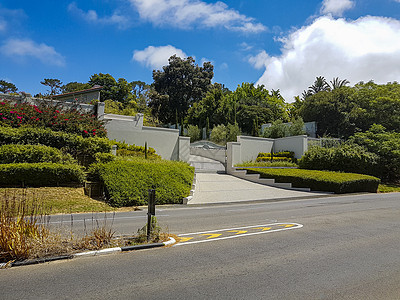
57 200
389 188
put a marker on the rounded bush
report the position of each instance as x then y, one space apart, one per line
32 154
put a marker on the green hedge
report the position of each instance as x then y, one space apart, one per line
70 143
126 183
288 154
40 174
321 180
269 158
344 158
12 153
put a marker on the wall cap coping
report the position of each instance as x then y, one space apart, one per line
254 138
160 129
293 137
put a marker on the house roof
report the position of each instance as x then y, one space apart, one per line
93 89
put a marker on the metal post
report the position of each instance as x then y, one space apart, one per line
151 211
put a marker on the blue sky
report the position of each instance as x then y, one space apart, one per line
283 44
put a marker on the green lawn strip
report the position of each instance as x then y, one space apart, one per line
56 200
389 187
336 182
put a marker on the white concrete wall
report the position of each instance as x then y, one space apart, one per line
298 144
232 156
251 146
216 154
131 130
184 148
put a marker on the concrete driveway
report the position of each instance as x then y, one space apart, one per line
223 188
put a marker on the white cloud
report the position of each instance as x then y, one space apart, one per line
188 13
91 16
157 57
361 50
20 48
336 7
3 25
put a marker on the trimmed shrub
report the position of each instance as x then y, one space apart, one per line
336 182
288 154
74 144
32 154
269 158
345 158
104 157
40 174
126 183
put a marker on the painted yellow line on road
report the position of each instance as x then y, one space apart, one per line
185 239
238 231
212 236
263 228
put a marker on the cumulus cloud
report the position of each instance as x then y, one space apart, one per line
188 13
91 16
157 57
21 48
336 7
361 50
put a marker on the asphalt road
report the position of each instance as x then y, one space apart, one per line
348 247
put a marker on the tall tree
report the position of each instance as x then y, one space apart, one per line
108 83
180 84
7 87
338 83
53 84
74 87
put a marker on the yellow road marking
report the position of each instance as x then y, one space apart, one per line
263 228
287 226
181 239
238 231
212 235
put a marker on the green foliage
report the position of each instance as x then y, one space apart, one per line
222 134
345 158
50 116
127 182
343 111
278 129
7 87
40 174
104 157
194 133
207 111
321 180
268 164
287 154
32 154
123 145
384 144
74 87
248 103
269 158
74 144
53 84
180 84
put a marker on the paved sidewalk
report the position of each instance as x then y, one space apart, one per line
220 188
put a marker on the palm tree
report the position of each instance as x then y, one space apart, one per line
338 83
320 85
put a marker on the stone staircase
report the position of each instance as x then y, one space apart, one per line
265 181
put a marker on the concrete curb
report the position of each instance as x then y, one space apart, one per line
87 253
190 197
